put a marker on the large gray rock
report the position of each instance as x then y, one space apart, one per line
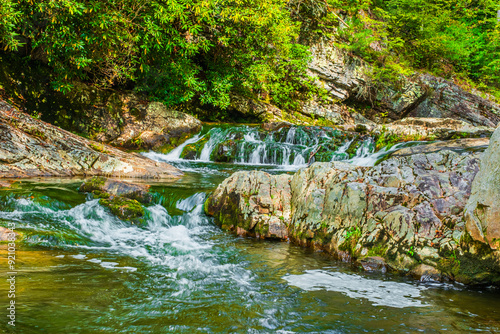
32 148
253 203
408 210
483 208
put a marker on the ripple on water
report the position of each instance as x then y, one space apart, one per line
380 293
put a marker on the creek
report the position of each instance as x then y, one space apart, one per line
82 270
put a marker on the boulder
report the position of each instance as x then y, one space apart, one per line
406 210
32 148
152 126
252 203
373 264
483 207
101 185
426 273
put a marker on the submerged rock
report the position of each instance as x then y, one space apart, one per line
32 148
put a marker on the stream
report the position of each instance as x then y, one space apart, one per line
82 270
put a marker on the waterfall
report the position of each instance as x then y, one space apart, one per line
287 146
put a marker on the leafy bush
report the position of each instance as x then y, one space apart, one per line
174 50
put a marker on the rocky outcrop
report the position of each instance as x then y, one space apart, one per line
32 148
483 208
458 145
126 120
424 128
407 210
347 80
119 118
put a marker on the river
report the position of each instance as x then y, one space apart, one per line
82 270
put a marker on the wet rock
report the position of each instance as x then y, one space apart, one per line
373 264
483 207
425 273
124 208
274 126
108 187
32 148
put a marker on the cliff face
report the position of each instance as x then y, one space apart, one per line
408 210
421 95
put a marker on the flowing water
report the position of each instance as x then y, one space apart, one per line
82 270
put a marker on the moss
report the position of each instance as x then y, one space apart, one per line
98 148
353 148
95 183
351 239
124 208
36 133
378 250
193 151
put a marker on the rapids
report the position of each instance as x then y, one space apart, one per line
82 270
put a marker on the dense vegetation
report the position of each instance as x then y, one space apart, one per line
183 50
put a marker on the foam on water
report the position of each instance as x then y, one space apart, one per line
179 244
380 293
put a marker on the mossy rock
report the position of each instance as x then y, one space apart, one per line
124 208
95 183
225 151
101 187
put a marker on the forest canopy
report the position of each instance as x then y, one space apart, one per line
179 50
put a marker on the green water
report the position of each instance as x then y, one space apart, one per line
81 270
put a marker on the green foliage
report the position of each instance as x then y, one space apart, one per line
458 40
202 51
9 19
173 50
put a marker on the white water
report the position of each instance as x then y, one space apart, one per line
179 243
380 293
290 153
366 157
175 154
